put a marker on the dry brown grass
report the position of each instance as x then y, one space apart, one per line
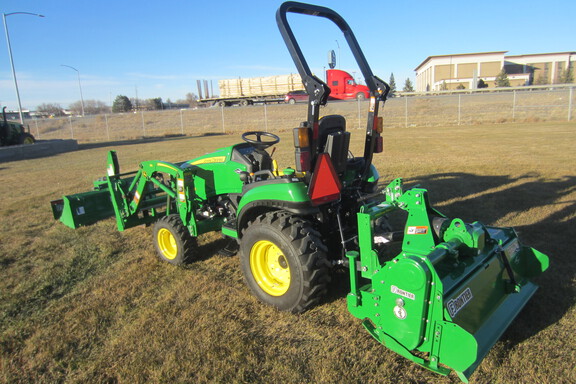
95 305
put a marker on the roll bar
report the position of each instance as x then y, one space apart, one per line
317 90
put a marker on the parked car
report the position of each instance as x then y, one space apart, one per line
295 96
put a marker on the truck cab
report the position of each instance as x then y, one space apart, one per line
343 87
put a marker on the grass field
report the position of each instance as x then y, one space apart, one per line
95 305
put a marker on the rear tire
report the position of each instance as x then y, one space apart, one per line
173 241
360 96
284 261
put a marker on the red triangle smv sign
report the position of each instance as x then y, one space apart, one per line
325 185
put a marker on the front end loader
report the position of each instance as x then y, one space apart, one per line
435 290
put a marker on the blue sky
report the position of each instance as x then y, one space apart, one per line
160 49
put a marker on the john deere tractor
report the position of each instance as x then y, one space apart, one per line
13 133
436 290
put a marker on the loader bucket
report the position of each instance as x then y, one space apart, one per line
451 292
83 208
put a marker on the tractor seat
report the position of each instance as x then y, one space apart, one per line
334 140
253 158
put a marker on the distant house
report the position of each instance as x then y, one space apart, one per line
448 72
14 115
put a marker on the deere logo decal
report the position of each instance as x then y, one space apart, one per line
455 305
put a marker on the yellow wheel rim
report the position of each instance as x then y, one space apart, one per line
270 268
167 244
28 140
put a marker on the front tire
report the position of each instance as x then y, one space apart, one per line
284 261
26 139
173 241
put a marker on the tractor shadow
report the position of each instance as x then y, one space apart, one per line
489 199
142 140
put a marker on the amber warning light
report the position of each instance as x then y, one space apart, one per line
302 145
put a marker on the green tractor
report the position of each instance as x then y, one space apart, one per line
437 291
13 133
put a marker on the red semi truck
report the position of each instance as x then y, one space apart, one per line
343 87
273 89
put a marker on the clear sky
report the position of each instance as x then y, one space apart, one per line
160 49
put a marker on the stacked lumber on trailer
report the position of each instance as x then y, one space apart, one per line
260 86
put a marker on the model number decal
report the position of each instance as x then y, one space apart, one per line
210 160
455 305
401 292
417 230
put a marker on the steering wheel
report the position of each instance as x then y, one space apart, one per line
254 138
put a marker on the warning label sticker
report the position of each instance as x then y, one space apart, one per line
400 312
417 230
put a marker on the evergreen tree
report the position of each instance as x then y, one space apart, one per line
154 104
408 86
541 80
502 79
121 104
392 84
481 84
566 76
444 86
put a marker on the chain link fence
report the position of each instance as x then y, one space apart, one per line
404 111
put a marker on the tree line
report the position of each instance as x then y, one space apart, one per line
121 104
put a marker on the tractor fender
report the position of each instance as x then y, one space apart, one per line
282 195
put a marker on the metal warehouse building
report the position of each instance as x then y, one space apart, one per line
467 69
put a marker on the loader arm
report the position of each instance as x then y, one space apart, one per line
133 198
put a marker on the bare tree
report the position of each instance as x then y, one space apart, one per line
50 110
91 107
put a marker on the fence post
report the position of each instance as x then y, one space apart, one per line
223 126
265 117
406 111
71 127
570 104
459 107
143 127
359 116
37 130
514 106
181 123
107 128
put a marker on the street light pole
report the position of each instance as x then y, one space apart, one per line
12 60
79 86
